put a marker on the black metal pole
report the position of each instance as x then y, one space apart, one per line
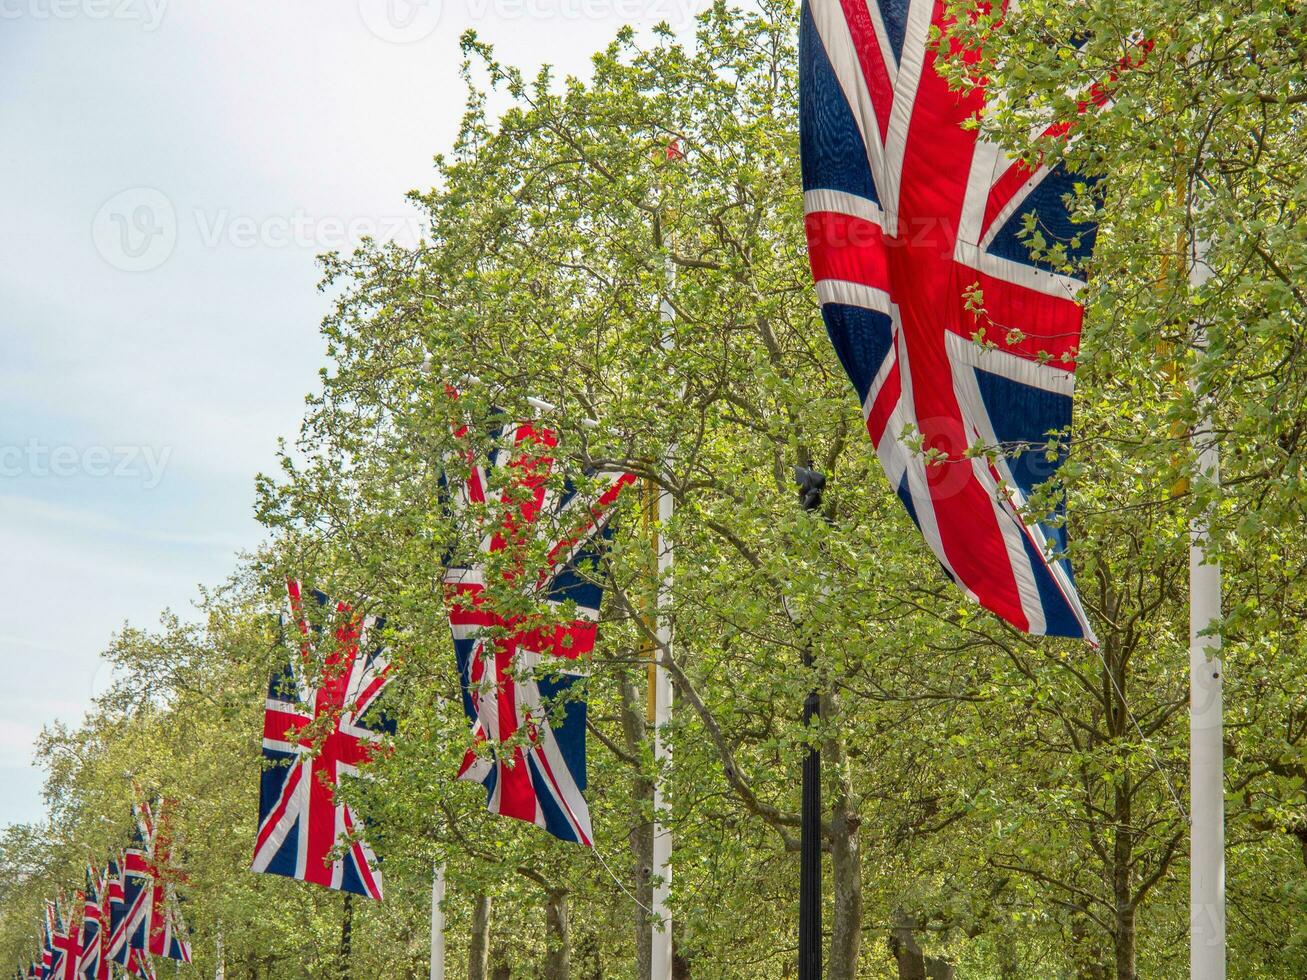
811 486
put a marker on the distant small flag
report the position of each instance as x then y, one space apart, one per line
115 914
131 932
48 927
88 966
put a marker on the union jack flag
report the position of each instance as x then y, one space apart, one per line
951 330
65 943
311 737
139 902
130 915
162 931
89 964
118 917
529 733
49 928
115 912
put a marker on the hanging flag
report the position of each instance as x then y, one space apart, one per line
131 917
960 343
163 932
507 683
88 965
139 965
300 820
49 926
65 943
115 912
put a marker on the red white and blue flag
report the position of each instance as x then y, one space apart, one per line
162 932
115 911
66 941
142 915
540 538
316 729
46 952
961 344
88 966
50 927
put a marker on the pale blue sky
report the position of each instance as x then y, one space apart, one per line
168 171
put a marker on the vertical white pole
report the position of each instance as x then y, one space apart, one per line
1206 678
660 960
438 923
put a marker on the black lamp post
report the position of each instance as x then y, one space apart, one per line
811 486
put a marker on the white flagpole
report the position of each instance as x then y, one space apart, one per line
1206 680
660 960
438 923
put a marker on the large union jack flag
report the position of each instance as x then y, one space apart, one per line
961 343
542 540
316 729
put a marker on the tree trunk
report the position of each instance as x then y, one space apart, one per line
634 734
905 950
1087 956
681 964
939 969
1123 907
478 954
591 964
558 954
346 935
846 856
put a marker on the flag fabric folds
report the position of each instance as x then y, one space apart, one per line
315 730
88 966
132 917
961 344
162 931
528 727
65 944
47 941
115 911
123 917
